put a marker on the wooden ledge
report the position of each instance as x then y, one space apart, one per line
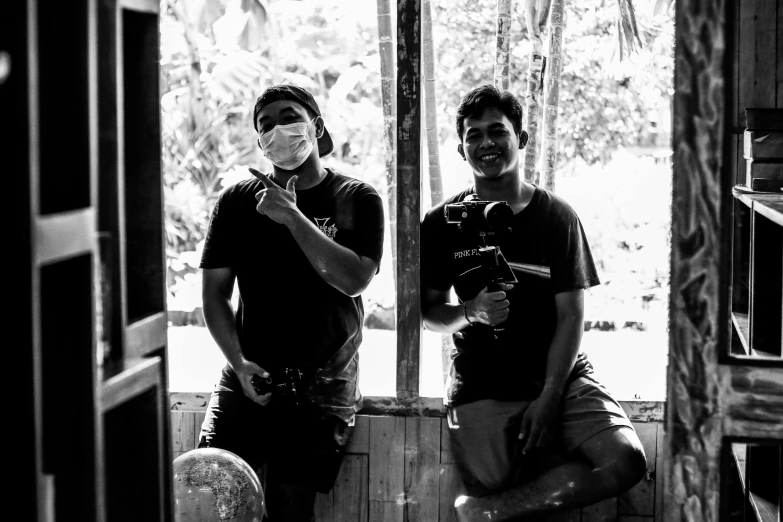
637 411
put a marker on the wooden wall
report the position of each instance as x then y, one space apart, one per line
400 469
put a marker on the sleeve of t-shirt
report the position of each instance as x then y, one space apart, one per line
434 253
219 245
573 267
367 237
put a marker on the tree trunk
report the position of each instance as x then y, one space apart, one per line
555 25
532 97
389 102
535 20
502 62
430 111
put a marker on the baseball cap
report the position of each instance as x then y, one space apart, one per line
297 94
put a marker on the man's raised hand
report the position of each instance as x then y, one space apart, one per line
490 308
273 201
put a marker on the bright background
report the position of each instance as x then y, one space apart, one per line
613 156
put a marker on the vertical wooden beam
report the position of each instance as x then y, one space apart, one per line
408 196
422 467
700 263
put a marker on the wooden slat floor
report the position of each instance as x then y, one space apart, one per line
400 469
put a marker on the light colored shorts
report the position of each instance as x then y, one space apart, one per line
484 434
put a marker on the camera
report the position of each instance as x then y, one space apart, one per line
285 386
475 216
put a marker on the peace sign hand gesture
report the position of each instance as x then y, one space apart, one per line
273 201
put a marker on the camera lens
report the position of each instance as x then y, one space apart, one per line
498 215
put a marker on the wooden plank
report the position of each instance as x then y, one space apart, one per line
350 490
182 431
145 336
381 511
143 6
422 468
757 76
410 407
64 235
324 506
742 327
604 511
138 378
189 401
640 499
643 411
659 451
408 197
772 210
446 456
450 487
387 459
359 442
752 401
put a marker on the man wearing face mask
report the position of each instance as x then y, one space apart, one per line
302 243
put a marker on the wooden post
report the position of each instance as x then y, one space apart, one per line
408 197
502 61
552 93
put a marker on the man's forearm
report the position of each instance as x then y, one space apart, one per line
445 318
219 317
337 265
562 353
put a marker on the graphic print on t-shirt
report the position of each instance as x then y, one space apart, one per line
330 230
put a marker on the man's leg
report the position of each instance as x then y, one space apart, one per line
613 462
605 458
290 503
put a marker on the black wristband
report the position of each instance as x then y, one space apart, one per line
465 311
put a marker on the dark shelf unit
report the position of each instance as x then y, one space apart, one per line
90 194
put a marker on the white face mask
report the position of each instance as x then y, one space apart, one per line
287 146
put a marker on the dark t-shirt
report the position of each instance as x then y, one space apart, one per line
549 254
288 315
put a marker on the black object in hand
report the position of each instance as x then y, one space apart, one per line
286 386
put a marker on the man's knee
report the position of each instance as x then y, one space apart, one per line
619 455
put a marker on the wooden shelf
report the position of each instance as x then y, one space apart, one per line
742 326
143 6
146 335
747 197
64 235
764 510
771 209
135 378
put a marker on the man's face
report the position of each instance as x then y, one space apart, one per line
284 112
489 144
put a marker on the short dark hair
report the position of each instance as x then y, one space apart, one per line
474 103
277 93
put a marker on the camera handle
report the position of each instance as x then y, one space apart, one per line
490 262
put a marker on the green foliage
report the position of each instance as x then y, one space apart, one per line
605 104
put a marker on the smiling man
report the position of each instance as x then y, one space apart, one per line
531 429
302 243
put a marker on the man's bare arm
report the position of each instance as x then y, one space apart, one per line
339 266
217 287
565 343
490 308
